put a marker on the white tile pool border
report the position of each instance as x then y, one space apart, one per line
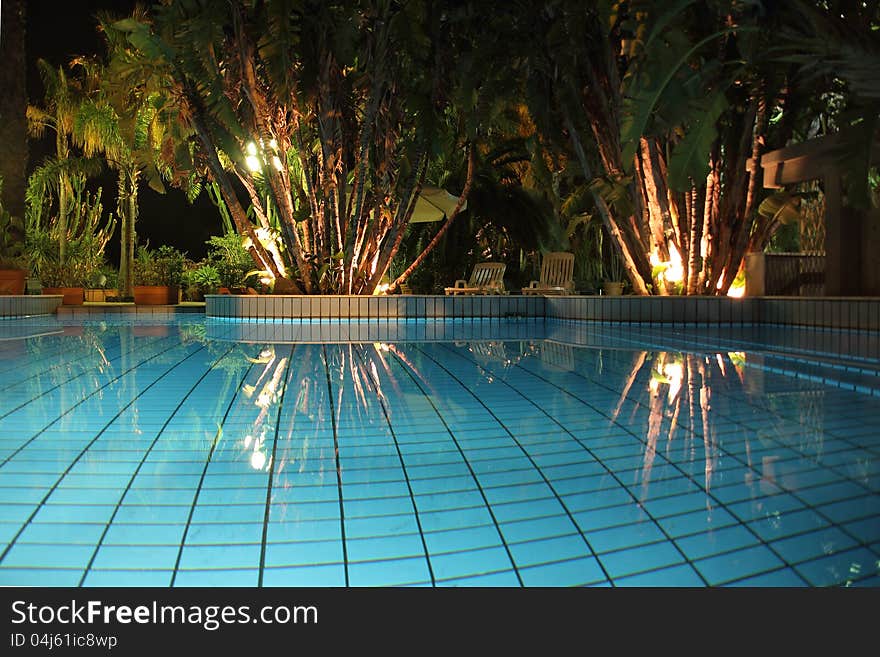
861 313
12 306
372 307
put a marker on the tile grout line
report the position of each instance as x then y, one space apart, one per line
272 466
402 364
208 459
338 464
138 469
84 450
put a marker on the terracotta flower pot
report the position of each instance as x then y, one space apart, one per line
73 296
156 295
99 295
12 281
612 288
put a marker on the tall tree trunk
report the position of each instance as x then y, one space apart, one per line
13 103
127 209
440 233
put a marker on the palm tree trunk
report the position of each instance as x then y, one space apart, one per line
469 180
126 208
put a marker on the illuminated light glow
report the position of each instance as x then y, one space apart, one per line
269 240
248 440
675 271
266 280
653 384
252 149
672 269
382 288
253 163
276 162
675 373
258 460
737 291
273 144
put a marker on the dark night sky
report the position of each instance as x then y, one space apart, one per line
58 30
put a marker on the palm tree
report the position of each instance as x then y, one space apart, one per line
661 107
61 97
323 112
124 139
132 127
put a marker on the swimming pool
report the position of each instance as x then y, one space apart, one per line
536 452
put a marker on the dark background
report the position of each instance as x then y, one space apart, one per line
57 30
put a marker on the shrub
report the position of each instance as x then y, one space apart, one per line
162 266
231 260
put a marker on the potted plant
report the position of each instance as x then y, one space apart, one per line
201 280
233 263
69 278
13 266
102 285
157 276
614 277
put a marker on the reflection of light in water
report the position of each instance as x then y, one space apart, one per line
256 447
674 373
269 394
258 460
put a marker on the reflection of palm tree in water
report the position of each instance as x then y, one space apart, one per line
670 374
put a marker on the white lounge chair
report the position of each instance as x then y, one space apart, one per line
557 275
486 278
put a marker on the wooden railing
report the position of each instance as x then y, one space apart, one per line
785 274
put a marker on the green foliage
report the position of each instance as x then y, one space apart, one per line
105 277
226 253
162 266
83 260
11 233
201 279
213 190
689 159
678 85
54 177
786 239
206 277
782 207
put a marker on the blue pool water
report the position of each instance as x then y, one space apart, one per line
526 453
